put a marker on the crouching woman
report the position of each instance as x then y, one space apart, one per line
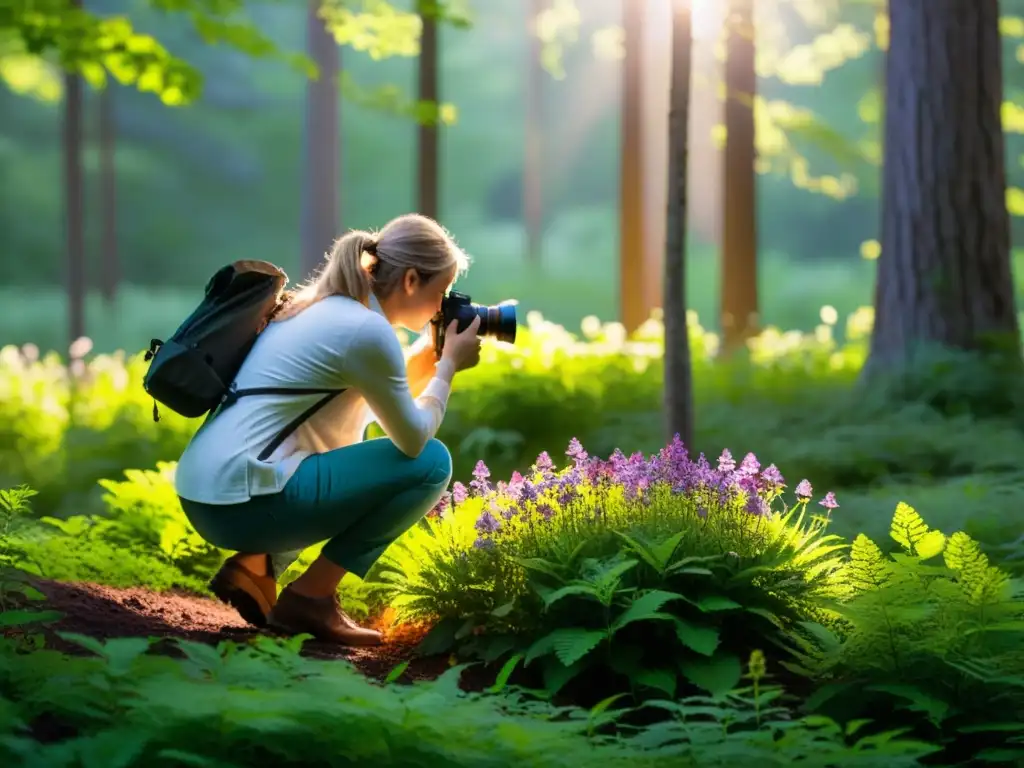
324 483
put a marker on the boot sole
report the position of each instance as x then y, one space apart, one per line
324 637
255 610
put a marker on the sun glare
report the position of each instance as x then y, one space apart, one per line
707 18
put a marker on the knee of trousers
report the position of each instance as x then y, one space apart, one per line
436 462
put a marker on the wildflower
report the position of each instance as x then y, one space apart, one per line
480 475
750 465
726 463
487 523
482 542
440 508
546 511
804 490
575 452
459 493
829 502
756 505
544 463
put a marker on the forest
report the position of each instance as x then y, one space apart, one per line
747 484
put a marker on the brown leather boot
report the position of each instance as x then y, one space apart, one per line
253 596
321 617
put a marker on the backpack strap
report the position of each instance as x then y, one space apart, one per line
232 395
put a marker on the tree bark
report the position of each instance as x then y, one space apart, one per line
321 140
533 173
632 312
944 275
110 267
74 212
427 133
678 375
739 305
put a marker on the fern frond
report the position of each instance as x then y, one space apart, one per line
868 568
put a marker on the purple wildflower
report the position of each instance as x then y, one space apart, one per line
482 542
546 511
726 463
756 505
804 490
750 465
575 452
829 502
480 475
544 463
487 523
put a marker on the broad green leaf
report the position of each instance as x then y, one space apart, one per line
717 675
397 672
910 531
583 590
660 678
503 610
505 673
703 640
572 644
645 607
713 603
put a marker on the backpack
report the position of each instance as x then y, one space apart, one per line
193 372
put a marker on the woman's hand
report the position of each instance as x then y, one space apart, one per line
462 349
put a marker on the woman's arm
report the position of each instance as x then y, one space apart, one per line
375 366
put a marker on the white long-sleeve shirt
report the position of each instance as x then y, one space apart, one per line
335 343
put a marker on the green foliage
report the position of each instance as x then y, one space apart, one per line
241 705
940 645
643 593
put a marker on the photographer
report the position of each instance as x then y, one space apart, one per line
325 483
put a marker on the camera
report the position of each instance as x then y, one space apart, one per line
498 321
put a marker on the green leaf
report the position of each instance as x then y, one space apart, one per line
713 603
397 672
644 608
718 675
505 673
913 534
572 644
540 565
657 556
503 610
440 638
868 569
919 701
583 590
703 640
116 748
660 679
24 618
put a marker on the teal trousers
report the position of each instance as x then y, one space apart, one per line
357 499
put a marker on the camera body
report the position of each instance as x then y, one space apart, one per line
498 321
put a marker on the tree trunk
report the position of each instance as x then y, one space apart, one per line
944 275
320 187
74 213
533 173
678 376
427 133
632 312
739 213
110 267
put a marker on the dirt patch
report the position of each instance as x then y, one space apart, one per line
104 612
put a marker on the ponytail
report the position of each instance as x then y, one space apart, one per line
347 271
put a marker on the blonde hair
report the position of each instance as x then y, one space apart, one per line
361 262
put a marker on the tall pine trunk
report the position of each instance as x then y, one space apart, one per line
678 375
533 173
944 275
321 150
427 133
632 312
110 265
739 213
74 200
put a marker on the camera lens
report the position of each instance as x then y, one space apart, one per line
498 321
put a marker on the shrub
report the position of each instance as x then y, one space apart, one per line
643 573
939 645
